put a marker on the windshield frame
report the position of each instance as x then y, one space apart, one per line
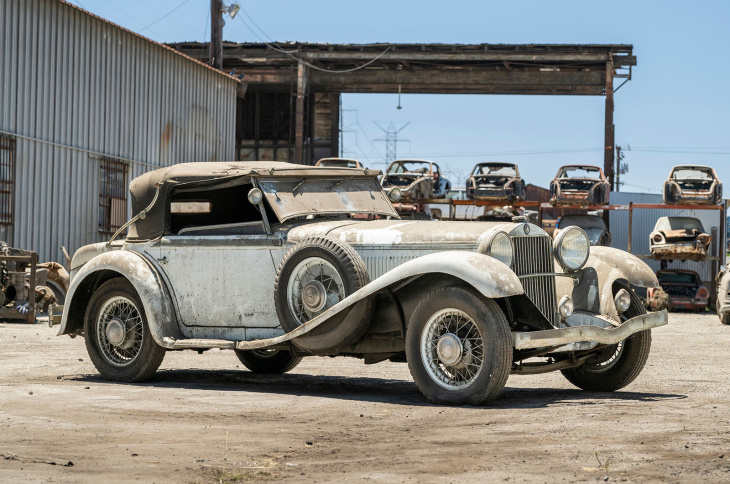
293 197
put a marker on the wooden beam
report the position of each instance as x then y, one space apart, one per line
299 114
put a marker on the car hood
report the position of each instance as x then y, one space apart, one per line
396 232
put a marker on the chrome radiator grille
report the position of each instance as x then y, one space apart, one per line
534 255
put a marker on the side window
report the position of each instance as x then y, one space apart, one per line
7 175
214 211
112 195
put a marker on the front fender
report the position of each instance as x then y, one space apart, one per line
486 274
611 265
141 274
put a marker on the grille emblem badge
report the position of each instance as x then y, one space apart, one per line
526 229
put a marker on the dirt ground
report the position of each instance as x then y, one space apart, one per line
206 419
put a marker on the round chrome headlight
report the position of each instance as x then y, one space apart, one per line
394 194
571 248
498 245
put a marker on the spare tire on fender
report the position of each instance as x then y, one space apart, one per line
313 276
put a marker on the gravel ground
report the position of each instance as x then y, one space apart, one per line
205 419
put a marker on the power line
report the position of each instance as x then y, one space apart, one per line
164 16
300 60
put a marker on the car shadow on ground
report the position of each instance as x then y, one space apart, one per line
366 389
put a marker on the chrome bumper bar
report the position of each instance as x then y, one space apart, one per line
606 336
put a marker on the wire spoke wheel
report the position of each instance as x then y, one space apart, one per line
452 349
119 331
315 286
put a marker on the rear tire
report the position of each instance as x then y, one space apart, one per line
117 335
459 347
618 365
268 361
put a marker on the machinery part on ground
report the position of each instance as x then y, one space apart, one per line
616 365
268 361
459 347
313 276
117 335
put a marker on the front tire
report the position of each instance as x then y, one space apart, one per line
268 361
458 347
117 335
617 365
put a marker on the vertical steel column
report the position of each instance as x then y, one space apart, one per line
609 141
334 124
631 223
299 116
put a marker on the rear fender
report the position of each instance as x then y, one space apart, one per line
140 273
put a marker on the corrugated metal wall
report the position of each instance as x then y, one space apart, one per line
71 79
644 221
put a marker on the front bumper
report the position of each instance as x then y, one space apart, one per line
594 334
680 251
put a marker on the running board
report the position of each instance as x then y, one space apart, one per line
197 344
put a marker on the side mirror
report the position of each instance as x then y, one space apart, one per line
255 196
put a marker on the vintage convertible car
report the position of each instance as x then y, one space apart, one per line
269 260
723 294
495 181
693 184
679 238
579 185
417 180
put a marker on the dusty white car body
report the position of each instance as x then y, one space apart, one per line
210 285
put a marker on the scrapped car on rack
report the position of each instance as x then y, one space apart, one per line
463 303
593 225
579 185
495 181
683 288
416 180
679 238
339 163
693 184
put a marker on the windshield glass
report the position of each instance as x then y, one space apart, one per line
692 174
339 163
678 278
580 172
496 170
456 194
679 223
410 166
296 197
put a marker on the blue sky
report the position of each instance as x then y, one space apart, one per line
674 110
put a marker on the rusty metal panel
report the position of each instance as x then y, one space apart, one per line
75 88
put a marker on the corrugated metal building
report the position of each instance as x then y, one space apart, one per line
643 223
85 106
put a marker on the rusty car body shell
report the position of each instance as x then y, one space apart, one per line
494 186
593 225
197 292
722 281
688 294
583 190
693 185
679 238
416 185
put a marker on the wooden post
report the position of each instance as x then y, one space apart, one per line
609 128
335 125
216 34
299 116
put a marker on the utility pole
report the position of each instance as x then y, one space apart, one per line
391 140
621 168
216 34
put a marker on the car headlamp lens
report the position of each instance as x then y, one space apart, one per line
571 248
499 246
394 194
